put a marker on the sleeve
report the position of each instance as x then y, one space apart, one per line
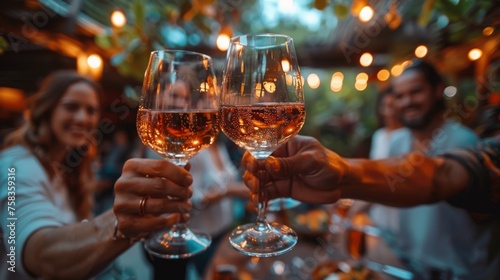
482 196
25 206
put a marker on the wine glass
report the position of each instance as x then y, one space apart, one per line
178 116
262 107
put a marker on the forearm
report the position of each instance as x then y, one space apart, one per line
75 251
404 181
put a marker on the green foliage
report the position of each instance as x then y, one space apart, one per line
340 120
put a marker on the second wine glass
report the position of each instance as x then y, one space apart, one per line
262 107
178 116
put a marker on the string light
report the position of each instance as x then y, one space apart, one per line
421 51
487 31
405 64
475 54
366 59
383 75
118 19
222 42
450 91
396 70
94 61
362 78
337 81
366 14
313 80
360 86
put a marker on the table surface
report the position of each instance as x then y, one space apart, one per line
300 262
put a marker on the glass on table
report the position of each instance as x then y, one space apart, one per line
178 116
262 107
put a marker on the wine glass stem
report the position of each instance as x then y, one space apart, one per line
262 204
179 229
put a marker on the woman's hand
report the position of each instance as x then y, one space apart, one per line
301 169
164 189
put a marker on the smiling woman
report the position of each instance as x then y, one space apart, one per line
50 232
75 115
61 117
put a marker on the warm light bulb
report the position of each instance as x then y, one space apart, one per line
421 51
338 74
362 78
223 41
487 31
313 80
366 14
94 61
383 75
118 19
366 59
360 86
396 70
337 81
450 91
406 63
475 54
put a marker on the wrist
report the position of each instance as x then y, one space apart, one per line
118 235
351 178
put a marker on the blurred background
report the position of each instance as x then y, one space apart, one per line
348 50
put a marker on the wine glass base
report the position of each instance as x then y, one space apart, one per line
284 203
265 240
168 245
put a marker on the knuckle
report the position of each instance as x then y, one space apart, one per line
119 208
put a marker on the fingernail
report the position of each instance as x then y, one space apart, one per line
273 163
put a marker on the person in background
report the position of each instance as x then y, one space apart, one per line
418 94
389 123
466 179
216 184
49 189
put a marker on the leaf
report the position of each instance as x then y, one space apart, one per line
172 12
118 59
199 21
104 41
134 44
340 10
425 14
321 4
138 9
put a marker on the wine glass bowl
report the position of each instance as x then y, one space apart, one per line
262 107
178 116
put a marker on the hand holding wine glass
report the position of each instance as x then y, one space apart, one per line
178 117
262 107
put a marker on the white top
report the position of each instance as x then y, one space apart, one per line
380 143
209 180
39 203
36 203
